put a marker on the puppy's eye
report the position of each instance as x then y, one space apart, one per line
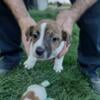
35 36
55 39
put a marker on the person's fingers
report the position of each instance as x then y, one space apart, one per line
64 51
59 21
26 44
68 26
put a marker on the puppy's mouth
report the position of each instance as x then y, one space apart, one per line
42 57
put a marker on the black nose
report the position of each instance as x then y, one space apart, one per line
39 51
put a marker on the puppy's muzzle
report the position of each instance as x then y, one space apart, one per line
40 51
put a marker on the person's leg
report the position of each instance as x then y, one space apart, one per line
10 50
89 44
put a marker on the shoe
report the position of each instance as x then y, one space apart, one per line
8 62
90 72
3 71
95 83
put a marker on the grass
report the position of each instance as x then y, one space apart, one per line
68 85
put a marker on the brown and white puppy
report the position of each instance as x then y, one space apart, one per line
47 40
36 92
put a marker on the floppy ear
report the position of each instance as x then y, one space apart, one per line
29 32
66 37
30 95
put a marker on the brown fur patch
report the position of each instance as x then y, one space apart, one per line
30 95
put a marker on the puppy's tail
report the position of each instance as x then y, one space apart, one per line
45 83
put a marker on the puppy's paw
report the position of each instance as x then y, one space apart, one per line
29 64
58 69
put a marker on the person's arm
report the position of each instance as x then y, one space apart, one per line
20 12
80 6
67 18
18 9
23 18
71 15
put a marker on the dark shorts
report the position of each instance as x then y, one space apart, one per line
10 35
10 38
89 39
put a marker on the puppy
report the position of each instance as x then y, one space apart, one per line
47 41
36 92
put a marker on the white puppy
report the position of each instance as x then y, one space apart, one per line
36 92
47 41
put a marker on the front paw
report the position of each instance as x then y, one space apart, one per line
58 69
28 64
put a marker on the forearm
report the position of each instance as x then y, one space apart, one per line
18 9
80 6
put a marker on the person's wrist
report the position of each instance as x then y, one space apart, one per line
75 14
21 20
72 15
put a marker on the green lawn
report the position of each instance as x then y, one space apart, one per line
68 85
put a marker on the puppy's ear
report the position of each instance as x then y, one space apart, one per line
66 37
30 95
29 33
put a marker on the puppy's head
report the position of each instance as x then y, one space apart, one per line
45 38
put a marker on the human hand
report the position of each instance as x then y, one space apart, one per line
26 24
65 20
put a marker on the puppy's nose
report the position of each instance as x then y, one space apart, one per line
39 51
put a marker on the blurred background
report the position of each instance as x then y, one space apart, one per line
44 4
